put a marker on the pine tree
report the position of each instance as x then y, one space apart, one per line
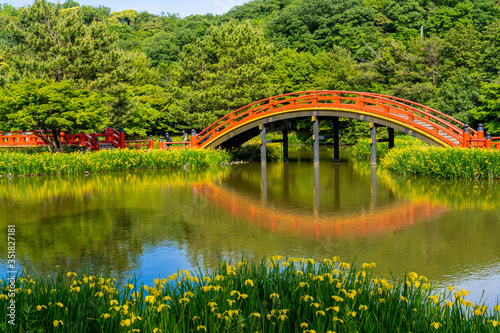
221 73
53 46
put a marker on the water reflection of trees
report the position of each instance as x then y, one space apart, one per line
455 194
100 222
108 222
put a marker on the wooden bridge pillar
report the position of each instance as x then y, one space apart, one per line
285 143
373 178
391 137
373 145
336 179
315 140
263 158
316 190
286 182
263 176
336 140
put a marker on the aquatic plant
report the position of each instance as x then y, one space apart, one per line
274 295
446 163
250 150
107 160
361 150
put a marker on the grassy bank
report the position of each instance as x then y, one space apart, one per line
16 163
275 295
250 150
445 163
361 150
412 157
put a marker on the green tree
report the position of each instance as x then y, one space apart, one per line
91 14
463 49
488 111
4 69
70 4
257 9
491 60
458 94
299 71
319 24
165 46
54 45
49 108
220 73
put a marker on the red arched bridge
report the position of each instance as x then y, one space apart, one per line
273 113
420 121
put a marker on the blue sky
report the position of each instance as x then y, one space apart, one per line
182 7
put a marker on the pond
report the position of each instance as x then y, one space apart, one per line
152 223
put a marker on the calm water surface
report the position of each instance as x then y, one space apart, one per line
153 223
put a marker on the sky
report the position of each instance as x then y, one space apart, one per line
182 7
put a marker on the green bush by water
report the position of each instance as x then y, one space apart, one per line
446 163
274 295
250 151
361 150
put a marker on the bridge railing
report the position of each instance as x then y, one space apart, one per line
19 138
89 140
428 110
420 119
423 118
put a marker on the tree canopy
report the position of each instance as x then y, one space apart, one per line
163 72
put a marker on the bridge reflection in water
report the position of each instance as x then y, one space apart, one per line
153 222
332 223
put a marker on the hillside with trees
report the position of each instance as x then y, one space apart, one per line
69 67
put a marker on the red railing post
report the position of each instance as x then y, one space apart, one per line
466 136
480 135
95 143
108 131
193 138
160 144
480 132
150 143
121 138
336 99
488 144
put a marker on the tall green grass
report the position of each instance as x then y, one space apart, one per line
446 163
361 150
107 160
250 150
274 295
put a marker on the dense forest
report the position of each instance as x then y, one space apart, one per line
71 67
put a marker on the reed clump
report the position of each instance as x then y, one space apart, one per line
361 150
445 163
274 295
250 151
14 163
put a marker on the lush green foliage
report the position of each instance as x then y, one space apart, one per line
220 73
107 160
456 163
361 150
250 151
66 58
170 73
58 107
274 295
